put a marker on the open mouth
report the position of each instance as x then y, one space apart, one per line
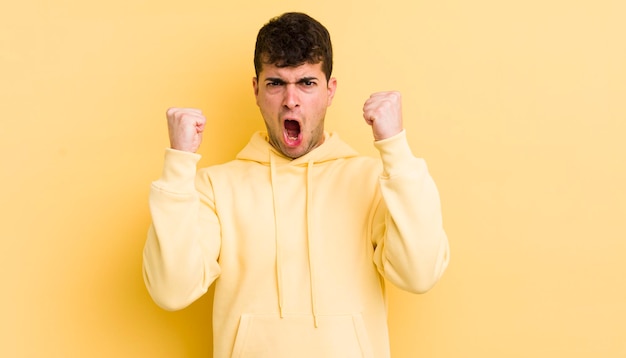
292 132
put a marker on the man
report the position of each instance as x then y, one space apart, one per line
299 231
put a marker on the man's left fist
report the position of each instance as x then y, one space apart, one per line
383 111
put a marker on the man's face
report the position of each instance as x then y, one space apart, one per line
293 103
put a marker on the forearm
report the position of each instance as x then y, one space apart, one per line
412 248
180 254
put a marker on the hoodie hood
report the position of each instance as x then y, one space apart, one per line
258 148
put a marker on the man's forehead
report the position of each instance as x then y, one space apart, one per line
306 70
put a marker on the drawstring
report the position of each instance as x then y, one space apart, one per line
279 273
309 229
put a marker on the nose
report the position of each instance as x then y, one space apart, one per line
291 99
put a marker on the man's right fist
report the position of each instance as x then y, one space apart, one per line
185 126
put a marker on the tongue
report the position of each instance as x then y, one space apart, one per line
292 128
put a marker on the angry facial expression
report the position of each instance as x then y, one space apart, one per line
293 102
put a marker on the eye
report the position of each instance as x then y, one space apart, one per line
305 83
274 84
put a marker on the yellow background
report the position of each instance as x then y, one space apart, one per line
519 108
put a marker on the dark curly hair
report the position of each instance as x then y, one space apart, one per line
293 39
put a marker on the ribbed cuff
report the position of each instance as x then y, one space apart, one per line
395 154
179 171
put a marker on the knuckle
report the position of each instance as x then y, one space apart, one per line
170 112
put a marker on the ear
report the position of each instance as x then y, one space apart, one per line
255 86
332 87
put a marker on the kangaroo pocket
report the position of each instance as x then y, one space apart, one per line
296 336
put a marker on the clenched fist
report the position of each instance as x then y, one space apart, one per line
383 111
185 126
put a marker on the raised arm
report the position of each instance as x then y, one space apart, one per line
411 247
183 244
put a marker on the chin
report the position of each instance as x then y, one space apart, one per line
294 153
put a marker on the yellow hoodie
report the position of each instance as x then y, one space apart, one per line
297 249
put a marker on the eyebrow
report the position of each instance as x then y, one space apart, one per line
301 80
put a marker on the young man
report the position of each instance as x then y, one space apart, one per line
299 232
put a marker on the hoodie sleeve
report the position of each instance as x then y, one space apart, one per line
411 247
181 251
